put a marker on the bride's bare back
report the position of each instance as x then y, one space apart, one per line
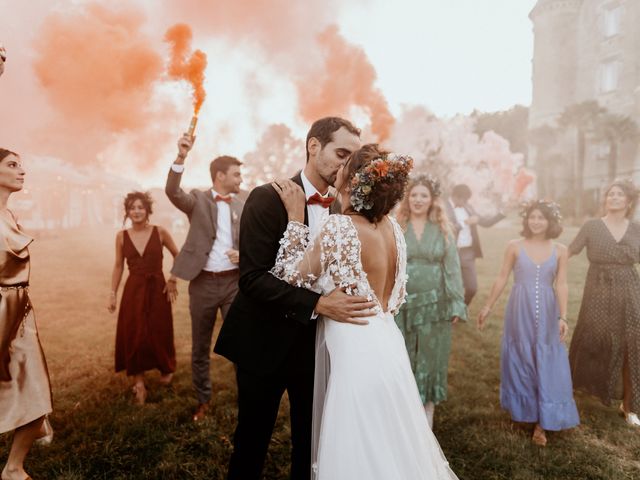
379 256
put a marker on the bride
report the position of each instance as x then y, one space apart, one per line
368 417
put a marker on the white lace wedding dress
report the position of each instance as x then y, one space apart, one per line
369 422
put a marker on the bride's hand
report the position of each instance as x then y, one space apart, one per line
292 197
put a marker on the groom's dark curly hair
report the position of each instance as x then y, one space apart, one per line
385 194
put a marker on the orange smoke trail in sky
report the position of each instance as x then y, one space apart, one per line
191 69
345 79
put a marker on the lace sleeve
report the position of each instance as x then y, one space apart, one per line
335 254
399 293
296 263
452 276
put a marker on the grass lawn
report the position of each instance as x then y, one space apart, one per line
100 434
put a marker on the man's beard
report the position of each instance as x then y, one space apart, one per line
331 180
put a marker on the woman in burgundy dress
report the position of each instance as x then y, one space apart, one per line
144 339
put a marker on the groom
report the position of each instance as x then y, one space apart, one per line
269 331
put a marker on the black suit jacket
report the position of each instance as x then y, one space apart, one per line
482 221
269 321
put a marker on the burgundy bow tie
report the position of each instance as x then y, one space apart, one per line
317 199
220 198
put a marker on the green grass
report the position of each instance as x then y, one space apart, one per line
100 434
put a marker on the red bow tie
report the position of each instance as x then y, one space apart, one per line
220 198
317 199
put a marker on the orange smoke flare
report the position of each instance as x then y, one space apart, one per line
191 69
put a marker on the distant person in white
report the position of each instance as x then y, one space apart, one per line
466 221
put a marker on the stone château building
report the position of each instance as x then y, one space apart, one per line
584 50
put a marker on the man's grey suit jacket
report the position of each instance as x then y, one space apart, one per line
202 211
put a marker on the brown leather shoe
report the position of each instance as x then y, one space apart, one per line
201 412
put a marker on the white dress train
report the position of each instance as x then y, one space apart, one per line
369 422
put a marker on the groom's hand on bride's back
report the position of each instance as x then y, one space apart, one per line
345 308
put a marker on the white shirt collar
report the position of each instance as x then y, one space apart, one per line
309 189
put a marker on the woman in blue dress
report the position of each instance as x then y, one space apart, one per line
535 384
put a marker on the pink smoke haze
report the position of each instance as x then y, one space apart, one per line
451 150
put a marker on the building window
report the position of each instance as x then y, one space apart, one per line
603 151
612 21
609 76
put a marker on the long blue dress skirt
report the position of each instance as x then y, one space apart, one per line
535 376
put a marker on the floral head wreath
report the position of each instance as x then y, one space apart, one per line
432 183
554 208
387 168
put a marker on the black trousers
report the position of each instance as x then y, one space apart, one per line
258 402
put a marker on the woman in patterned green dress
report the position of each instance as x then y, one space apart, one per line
435 296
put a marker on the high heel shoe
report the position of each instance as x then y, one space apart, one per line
629 417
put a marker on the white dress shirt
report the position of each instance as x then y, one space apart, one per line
218 260
464 236
317 214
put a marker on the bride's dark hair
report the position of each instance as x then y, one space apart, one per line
375 191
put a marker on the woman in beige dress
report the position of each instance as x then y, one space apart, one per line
25 393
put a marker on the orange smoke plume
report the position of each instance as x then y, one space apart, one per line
98 72
191 69
97 67
345 80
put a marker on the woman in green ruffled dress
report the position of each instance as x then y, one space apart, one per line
435 295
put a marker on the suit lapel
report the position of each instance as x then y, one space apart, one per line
236 212
298 179
213 211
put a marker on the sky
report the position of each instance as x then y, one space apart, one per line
266 65
453 56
